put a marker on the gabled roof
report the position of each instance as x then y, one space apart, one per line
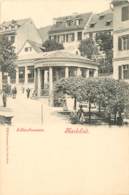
119 2
101 22
19 22
44 33
13 23
36 46
61 22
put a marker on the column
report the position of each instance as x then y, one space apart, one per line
39 82
66 76
87 73
9 80
46 76
51 86
95 73
66 72
76 36
0 80
35 79
17 75
26 75
79 73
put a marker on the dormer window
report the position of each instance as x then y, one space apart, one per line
58 23
108 23
69 22
27 49
6 28
78 22
92 25
101 17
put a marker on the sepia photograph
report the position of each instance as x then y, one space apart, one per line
64 97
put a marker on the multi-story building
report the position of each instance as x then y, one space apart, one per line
70 30
121 39
19 31
24 34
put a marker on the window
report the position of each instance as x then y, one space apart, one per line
28 49
125 13
91 73
108 23
62 38
123 43
11 38
101 17
30 74
69 22
92 25
21 74
124 71
78 22
79 36
70 37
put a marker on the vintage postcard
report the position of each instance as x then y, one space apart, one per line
64 97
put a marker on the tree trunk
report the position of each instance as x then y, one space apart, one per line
89 112
99 107
75 103
115 119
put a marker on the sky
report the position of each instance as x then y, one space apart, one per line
43 11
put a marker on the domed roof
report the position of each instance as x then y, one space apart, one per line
62 57
64 54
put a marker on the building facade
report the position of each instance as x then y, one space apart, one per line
19 31
70 30
121 39
39 71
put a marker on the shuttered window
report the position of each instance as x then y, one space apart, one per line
119 43
123 43
120 72
125 13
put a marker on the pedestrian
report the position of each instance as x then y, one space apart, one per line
28 92
4 98
14 92
80 114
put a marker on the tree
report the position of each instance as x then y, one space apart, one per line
110 94
88 48
70 86
105 42
113 95
51 45
80 89
7 55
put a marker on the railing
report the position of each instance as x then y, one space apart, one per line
21 80
44 92
30 80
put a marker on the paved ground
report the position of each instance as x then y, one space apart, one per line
55 163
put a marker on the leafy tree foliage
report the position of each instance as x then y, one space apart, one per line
70 86
51 45
88 48
7 55
109 94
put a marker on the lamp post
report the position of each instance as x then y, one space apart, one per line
1 11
